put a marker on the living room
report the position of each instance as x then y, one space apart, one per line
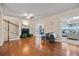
24 27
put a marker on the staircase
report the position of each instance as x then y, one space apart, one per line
13 36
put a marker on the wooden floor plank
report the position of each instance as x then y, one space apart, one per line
27 47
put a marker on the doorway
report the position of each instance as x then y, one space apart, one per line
25 32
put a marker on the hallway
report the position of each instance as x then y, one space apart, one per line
27 47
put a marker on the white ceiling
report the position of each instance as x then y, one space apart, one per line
38 9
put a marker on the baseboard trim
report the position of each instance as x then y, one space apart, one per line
71 42
14 39
1 44
58 40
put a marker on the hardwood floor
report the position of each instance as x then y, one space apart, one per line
27 47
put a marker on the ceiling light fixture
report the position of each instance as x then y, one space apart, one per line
26 23
29 15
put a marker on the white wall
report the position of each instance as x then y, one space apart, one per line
12 19
52 23
1 42
1 28
5 33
